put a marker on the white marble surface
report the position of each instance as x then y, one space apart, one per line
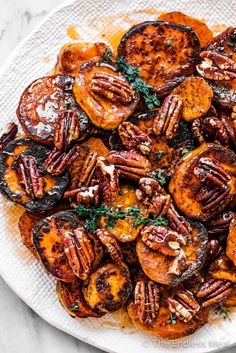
21 330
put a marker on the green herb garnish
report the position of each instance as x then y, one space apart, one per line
87 148
68 105
74 307
106 57
159 155
160 176
224 312
160 221
169 43
172 319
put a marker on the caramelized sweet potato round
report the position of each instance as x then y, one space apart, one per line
197 97
231 300
71 298
10 185
165 53
156 265
43 102
231 242
104 94
108 288
124 230
164 328
200 28
223 268
186 188
47 239
73 55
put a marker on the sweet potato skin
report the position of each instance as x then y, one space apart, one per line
26 223
173 50
200 28
197 97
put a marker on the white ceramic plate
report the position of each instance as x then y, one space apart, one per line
32 59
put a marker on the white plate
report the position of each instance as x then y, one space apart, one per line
22 273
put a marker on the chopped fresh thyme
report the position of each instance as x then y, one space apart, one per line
131 73
68 105
74 307
172 319
162 116
169 43
160 221
159 155
160 176
87 148
224 312
83 188
106 57
120 193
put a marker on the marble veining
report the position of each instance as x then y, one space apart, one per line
21 330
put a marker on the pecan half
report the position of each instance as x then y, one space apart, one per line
130 164
111 244
210 128
220 224
214 291
30 176
177 222
87 196
215 183
217 67
153 195
58 161
108 178
8 134
114 88
79 251
67 129
88 169
134 138
184 305
167 119
214 250
146 298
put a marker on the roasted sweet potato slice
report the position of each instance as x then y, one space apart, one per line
10 185
223 268
71 298
200 28
47 239
191 192
164 328
165 53
124 229
197 97
156 265
73 55
224 43
43 102
104 94
231 242
224 93
231 300
108 288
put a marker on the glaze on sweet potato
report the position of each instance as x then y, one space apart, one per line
108 288
165 53
184 185
231 300
197 97
47 239
231 242
156 265
200 28
12 189
43 102
73 55
223 268
104 106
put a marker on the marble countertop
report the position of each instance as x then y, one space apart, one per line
21 330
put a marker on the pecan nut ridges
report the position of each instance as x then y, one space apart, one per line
108 178
146 299
184 305
130 164
177 222
216 67
134 138
215 183
163 239
214 250
58 161
87 196
111 244
213 292
220 224
79 252
8 134
30 176
67 129
210 128
88 169
167 119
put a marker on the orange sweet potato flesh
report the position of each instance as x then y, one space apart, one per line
123 230
156 265
223 268
231 300
103 111
164 329
200 28
73 55
231 242
165 53
197 97
184 185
